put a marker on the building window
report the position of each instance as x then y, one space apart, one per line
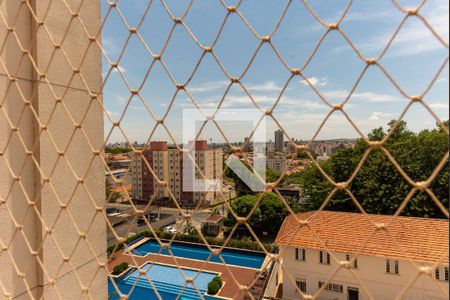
392 267
300 254
355 262
301 284
333 287
325 258
437 273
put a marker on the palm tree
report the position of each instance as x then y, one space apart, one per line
190 228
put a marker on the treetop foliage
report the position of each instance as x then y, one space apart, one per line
378 186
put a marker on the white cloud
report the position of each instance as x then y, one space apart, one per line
241 100
414 38
110 46
112 113
316 81
306 125
375 97
362 96
302 104
121 69
378 115
269 86
371 14
138 108
442 80
337 94
114 70
264 101
208 86
122 100
439 106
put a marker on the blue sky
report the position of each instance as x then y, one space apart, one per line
413 60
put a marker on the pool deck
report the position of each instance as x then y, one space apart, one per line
230 290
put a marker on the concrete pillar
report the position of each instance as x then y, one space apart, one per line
53 233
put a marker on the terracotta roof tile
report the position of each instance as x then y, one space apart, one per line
214 218
419 239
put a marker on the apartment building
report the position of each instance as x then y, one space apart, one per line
270 146
136 175
278 163
168 165
326 148
382 257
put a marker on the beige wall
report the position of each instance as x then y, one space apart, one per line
277 164
371 271
175 179
166 164
15 162
210 163
161 168
136 175
75 179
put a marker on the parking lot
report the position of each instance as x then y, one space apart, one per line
125 223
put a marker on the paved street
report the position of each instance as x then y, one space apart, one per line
128 223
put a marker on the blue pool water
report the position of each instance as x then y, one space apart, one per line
167 280
230 256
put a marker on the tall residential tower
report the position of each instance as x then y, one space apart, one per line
279 141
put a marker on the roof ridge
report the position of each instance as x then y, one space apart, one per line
406 237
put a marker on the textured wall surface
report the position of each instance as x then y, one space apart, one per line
52 175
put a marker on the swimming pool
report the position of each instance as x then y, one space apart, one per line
167 280
234 257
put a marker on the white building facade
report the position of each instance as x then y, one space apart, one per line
278 164
377 283
381 271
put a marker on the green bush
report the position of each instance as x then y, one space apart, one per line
240 244
218 280
214 286
112 247
226 230
120 268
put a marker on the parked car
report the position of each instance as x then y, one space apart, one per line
170 229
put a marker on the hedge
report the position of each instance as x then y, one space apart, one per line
129 240
240 244
218 280
120 268
215 285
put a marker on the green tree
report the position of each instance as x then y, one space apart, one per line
190 228
117 150
267 217
378 186
242 188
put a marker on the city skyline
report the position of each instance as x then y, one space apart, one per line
374 102
108 192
